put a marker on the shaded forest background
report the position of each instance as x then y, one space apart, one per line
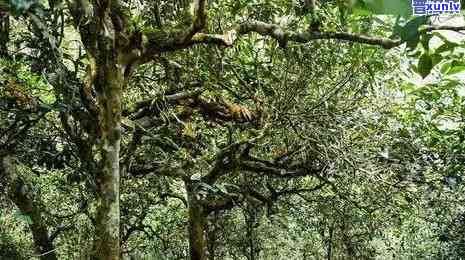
236 129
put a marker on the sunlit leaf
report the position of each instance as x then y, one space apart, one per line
425 64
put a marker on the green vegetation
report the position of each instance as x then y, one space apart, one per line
236 129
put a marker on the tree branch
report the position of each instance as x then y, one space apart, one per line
138 170
442 28
221 204
300 190
283 36
157 45
175 196
276 170
59 230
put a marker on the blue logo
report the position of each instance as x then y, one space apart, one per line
435 7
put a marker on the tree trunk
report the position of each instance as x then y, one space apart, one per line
329 246
108 82
107 65
20 193
197 224
250 221
212 235
4 34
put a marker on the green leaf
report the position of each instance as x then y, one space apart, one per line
390 7
425 38
23 217
425 64
222 189
436 58
408 87
447 46
410 33
361 11
446 67
453 67
398 7
456 69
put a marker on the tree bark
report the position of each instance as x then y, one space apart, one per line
108 70
329 243
20 193
4 34
197 225
250 219
212 236
108 83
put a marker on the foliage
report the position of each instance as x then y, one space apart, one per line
287 142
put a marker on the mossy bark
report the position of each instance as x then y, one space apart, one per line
108 83
197 224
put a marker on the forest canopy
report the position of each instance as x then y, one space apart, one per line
232 129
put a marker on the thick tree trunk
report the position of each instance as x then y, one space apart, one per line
197 224
107 65
20 193
108 82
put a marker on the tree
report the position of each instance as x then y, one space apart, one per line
104 128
